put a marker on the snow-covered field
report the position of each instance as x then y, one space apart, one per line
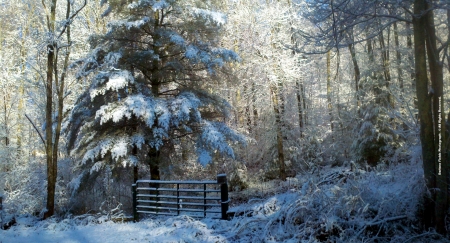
337 205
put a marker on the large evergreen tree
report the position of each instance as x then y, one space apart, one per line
149 73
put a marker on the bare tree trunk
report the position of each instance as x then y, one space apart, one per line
399 60
248 118
370 51
357 73
300 98
425 111
51 164
448 39
239 116
329 105
437 82
154 159
281 166
155 81
5 125
255 111
411 58
53 77
305 111
386 70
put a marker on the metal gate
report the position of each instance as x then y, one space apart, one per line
193 198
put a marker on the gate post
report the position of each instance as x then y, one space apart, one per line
1 212
222 180
135 213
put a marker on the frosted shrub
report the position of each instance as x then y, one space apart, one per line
341 206
23 194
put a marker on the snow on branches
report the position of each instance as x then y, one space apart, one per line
146 90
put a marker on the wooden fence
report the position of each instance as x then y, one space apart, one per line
193 198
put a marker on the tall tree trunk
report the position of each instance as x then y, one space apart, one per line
248 118
329 105
300 98
5 118
255 111
154 159
448 39
386 69
437 82
411 58
280 148
135 167
357 73
280 95
51 163
399 60
370 51
305 111
239 116
425 111
154 153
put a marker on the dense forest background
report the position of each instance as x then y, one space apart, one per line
260 90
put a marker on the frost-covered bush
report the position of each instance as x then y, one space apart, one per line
22 188
340 206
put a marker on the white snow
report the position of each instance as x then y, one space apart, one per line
177 229
336 206
214 17
120 149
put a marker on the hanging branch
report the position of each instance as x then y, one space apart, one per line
40 135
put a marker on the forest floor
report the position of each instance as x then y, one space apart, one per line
337 205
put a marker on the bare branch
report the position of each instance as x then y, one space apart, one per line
40 135
69 20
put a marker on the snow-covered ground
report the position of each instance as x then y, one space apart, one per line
177 229
336 205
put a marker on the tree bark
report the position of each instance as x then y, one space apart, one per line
386 69
51 163
448 39
409 45
399 60
300 98
154 159
155 82
248 118
425 111
281 165
437 83
5 110
357 72
329 105
58 80
255 111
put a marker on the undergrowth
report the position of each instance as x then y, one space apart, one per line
340 206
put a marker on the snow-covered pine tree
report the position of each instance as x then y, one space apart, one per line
375 134
148 72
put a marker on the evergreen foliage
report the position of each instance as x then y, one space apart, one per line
375 133
148 72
